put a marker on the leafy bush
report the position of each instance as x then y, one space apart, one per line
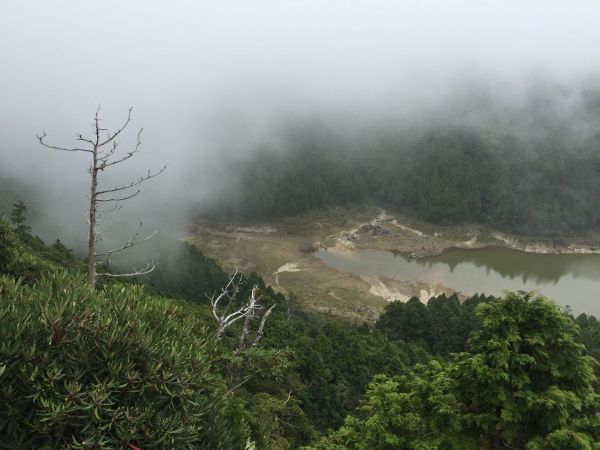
18 261
442 325
102 369
526 384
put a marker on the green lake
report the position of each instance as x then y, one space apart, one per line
569 279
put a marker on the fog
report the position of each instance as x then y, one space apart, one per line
209 81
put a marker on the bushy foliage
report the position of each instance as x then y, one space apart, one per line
589 333
333 364
528 377
526 384
442 325
56 253
101 369
17 260
396 413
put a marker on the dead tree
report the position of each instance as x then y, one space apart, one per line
103 149
254 309
249 311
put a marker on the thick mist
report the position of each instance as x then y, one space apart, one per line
212 82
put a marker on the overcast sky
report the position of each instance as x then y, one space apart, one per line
207 77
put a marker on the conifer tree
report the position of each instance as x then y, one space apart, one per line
18 217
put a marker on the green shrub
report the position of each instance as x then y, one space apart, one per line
16 260
101 369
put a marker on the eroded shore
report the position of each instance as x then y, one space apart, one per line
282 252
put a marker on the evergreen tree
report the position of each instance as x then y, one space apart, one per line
17 217
528 378
527 384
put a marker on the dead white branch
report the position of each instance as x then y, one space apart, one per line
259 333
131 242
249 311
145 271
227 294
252 308
53 147
133 184
110 138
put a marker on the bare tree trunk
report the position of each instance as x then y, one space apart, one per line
259 333
103 158
92 219
250 314
244 334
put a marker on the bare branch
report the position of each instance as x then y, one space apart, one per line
242 312
104 159
230 290
230 320
100 212
81 138
131 242
249 311
259 333
118 199
97 128
251 308
76 149
245 380
146 270
288 398
115 134
139 181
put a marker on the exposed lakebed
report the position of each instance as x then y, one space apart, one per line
569 279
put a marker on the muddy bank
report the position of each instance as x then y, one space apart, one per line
386 232
590 245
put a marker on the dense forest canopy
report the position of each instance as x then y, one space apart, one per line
527 166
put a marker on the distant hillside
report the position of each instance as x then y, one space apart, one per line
527 168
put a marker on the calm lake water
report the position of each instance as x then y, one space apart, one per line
572 280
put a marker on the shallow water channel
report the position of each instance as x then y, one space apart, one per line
569 279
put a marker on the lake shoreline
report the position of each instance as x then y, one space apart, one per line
569 279
282 252
380 233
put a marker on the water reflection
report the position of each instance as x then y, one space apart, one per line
569 279
526 267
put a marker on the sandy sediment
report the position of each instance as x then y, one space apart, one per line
391 289
405 228
289 267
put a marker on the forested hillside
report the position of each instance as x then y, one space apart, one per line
527 168
120 365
